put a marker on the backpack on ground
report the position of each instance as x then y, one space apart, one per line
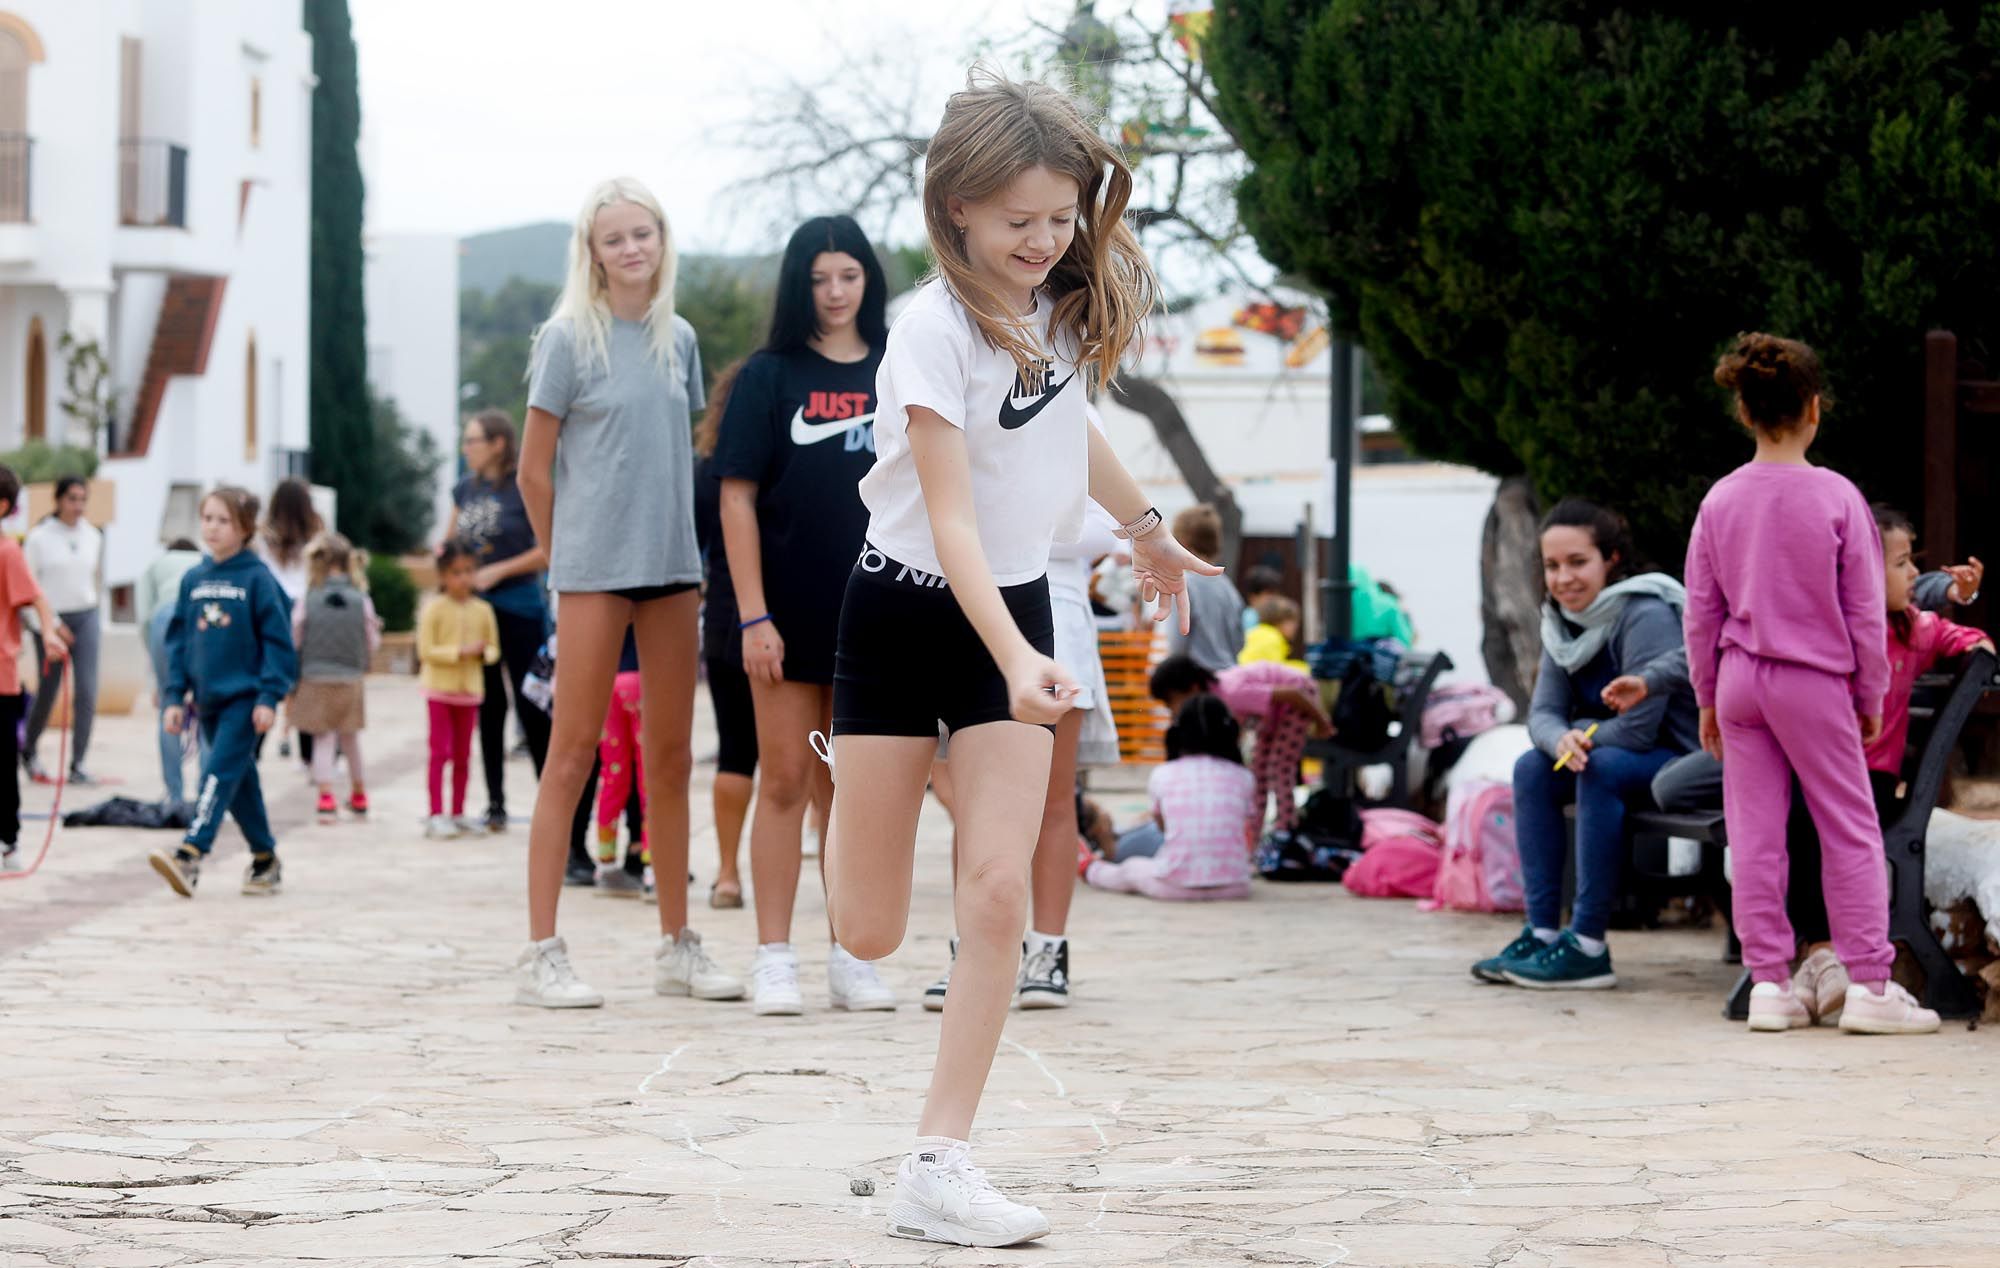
1294 856
1459 711
1481 866
1364 709
1401 866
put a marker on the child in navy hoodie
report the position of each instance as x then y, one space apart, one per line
229 642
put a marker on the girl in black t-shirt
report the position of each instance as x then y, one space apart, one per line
796 436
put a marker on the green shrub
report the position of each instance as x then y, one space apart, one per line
394 593
38 461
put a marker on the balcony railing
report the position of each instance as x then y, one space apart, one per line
17 150
152 183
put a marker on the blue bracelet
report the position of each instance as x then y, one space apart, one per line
758 621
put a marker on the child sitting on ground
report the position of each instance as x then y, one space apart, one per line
1202 800
1276 633
1281 702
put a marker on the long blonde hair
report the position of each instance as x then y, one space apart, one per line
1102 287
584 301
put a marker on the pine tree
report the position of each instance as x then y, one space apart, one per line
342 428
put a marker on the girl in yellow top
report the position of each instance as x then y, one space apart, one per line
1274 635
457 637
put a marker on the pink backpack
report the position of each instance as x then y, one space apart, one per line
1481 867
1402 850
1459 711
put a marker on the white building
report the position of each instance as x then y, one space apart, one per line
155 198
411 285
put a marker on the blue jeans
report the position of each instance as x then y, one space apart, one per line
229 779
1143 841
173 748
1614 780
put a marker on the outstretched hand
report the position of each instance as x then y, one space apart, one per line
1626 692
1966 579
1161 565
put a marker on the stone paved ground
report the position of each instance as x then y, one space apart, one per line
338 1076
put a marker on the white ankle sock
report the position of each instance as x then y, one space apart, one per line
775 948
937 1146
1591 946
1546 936
1038 941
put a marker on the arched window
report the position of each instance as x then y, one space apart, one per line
250 398
36 424
20 48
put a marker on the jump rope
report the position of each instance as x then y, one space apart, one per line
62 780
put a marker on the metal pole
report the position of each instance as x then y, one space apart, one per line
1336 589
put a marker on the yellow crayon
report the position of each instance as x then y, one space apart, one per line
1567 753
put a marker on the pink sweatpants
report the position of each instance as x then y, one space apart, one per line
451 745
1778 718
1281 741
1142 876
618 750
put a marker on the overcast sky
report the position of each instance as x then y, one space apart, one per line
480 114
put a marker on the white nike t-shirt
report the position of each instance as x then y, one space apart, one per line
1025 435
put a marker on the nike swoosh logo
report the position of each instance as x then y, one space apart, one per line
1013 416
805 433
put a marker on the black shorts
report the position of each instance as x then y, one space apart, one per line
735 718
908 659
646 594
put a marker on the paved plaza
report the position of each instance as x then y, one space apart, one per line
338 1076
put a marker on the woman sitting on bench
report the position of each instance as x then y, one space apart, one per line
1603 618
1918 640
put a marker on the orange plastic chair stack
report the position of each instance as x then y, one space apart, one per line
1129 658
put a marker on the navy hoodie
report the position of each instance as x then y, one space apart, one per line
230 635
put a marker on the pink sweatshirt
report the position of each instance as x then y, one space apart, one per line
1786 564
1247 689
1931 639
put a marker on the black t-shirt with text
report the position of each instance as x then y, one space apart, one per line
803 428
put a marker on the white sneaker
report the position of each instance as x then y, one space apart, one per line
681 967
774 978
468 826
441 828
855 985
1894 1012
547 981
942 1197
1775 1007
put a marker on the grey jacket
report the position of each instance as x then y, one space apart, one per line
1932 593
1648 630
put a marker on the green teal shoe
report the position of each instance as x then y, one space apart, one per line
1564 966
1521 949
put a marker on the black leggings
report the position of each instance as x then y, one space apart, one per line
520 638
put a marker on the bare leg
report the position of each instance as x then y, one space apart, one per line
878 793
787 712
1055 878
593 626
732 806
669 640
1000 767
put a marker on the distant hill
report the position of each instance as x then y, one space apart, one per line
537 254
533 253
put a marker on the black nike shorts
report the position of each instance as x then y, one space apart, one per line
908 660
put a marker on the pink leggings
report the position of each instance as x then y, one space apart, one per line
1142 876
618 750
451 744
1281 741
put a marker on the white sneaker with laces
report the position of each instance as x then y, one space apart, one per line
681 967
440 828
855 985
1894 1012
774 983
942 1197
546 979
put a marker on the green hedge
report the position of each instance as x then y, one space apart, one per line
394 593
39 461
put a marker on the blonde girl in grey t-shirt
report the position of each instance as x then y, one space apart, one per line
607 478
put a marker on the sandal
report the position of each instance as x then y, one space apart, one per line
725 899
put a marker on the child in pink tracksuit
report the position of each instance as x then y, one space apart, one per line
1281 702
1786 634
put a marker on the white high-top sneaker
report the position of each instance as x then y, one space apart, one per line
942 1197
774 981
547 981
681 967
855 985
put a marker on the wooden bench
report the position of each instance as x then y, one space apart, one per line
1129 657
1938 713
1416 674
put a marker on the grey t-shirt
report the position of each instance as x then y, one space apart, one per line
1217 633
624 473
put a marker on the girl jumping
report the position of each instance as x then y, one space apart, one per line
983 460
607 476
1786 637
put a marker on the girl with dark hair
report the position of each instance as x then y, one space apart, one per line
796 435
1202 799
66 553
457 639
488 514
1787 638
1603 618
290 525
722 659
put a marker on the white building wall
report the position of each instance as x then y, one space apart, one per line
412 297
